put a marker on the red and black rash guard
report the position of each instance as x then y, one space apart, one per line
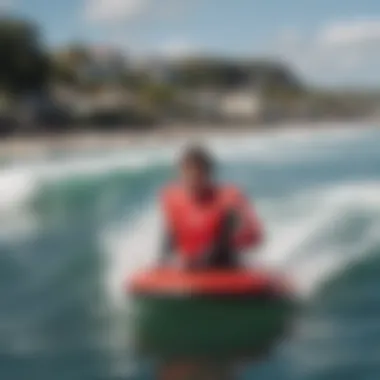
194 224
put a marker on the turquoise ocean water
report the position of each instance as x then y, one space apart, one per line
73 227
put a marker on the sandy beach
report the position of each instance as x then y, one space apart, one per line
24 146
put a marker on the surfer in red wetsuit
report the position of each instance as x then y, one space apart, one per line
207 224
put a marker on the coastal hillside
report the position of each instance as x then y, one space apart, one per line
81 87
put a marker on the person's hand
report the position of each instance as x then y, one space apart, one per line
173 262
230 220
200 262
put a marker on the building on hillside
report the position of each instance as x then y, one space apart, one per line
233 105
104 63
242 105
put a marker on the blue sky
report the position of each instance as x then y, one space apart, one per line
327 42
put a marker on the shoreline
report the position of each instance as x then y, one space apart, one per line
87 141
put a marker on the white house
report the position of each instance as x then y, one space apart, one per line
241 105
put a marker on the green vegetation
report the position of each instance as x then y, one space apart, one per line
66 65
24 65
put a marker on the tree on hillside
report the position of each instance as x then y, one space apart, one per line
207 73
69 64
24 64
275 79
221 74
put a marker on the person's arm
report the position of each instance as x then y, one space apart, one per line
167 247
221 254
240 229
249 231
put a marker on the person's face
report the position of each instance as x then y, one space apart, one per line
194 177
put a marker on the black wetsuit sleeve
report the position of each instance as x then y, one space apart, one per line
222 254
167 246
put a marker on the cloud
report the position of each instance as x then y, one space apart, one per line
111 11
6 5
178 48
351 33
341 52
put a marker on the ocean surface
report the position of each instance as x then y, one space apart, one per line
74 226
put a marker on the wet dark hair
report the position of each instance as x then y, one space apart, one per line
198 156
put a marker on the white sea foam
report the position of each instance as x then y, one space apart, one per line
309 246
16 187
18 181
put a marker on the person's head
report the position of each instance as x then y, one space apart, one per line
196 168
